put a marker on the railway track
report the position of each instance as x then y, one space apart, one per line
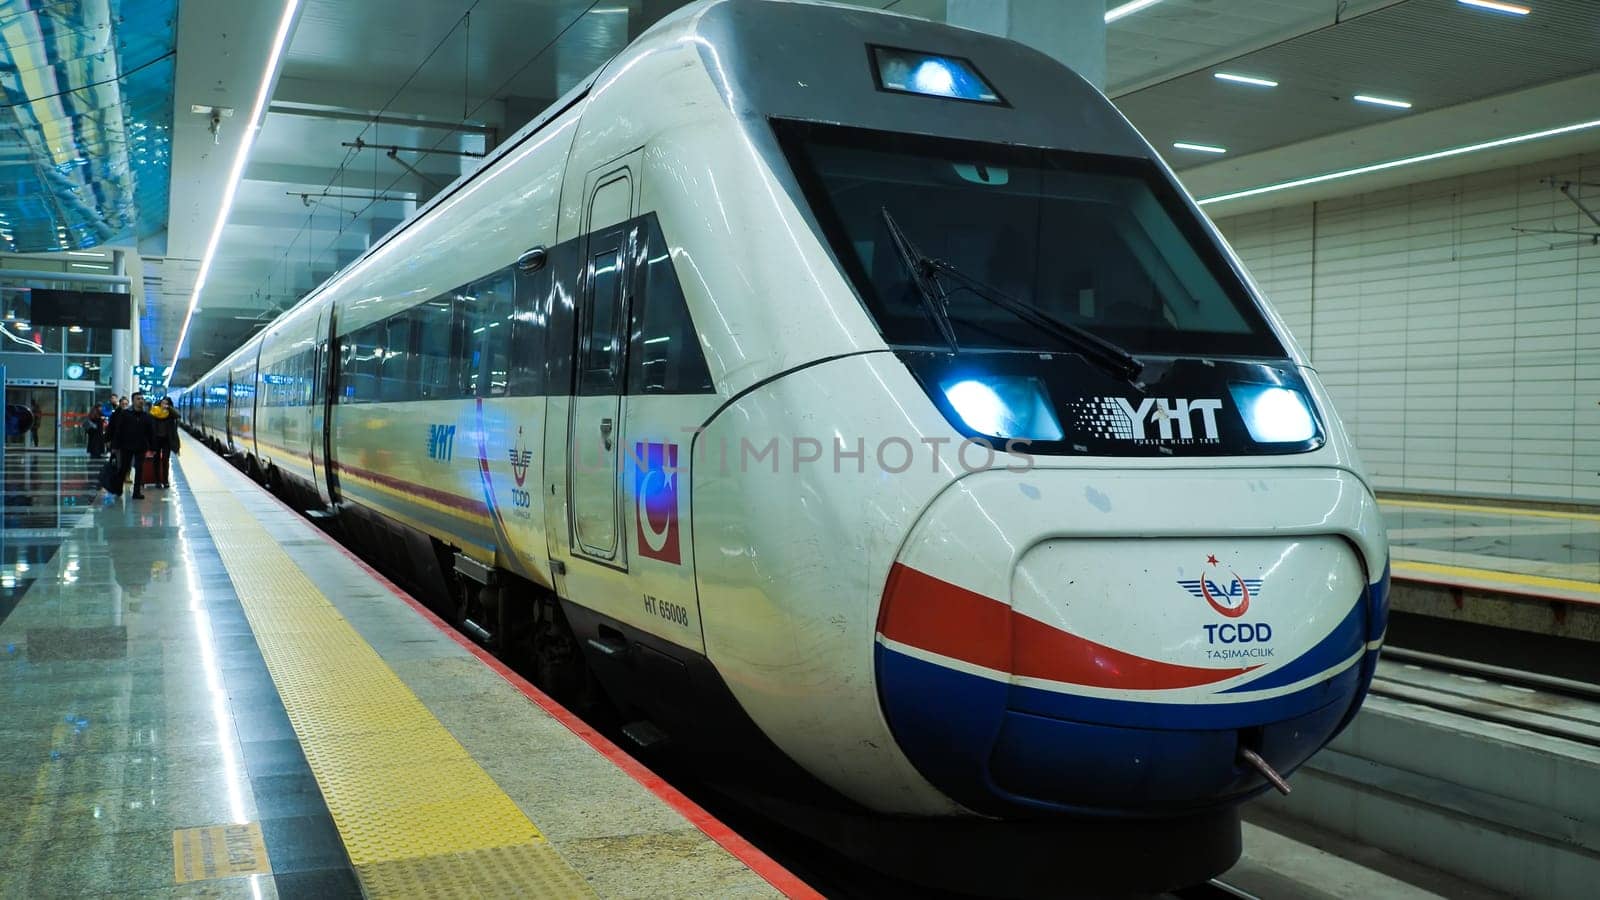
1544 704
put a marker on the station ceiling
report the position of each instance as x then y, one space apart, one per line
380 103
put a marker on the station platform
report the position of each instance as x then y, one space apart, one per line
206 696
1469 573
1544 553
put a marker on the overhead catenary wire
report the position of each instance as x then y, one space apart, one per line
391 186
374 120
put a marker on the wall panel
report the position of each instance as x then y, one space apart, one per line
1461 345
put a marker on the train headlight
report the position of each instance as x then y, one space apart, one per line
931 75
1007 406
1274 415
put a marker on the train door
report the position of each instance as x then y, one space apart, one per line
324 393
594 429
227 416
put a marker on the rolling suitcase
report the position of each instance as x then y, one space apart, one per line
108 476
150 469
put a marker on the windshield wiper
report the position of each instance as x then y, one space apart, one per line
925 272
932 292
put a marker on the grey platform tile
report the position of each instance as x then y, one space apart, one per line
681 864
253 887
94 864
146 766
577 795
501 723
154 808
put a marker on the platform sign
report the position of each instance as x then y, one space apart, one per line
88 309
219 851
152 380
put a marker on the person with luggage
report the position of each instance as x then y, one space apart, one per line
165 424
94 432
131 434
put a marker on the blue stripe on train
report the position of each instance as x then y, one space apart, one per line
969 737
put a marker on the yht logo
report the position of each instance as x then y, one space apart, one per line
655 500
1117 418
441 442
1230 599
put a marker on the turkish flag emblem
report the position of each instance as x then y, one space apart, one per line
655 500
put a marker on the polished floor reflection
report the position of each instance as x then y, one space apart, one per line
1558 549
136 702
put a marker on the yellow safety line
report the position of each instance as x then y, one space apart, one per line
1490 510
1403 568
417 814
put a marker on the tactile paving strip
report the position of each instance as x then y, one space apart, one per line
418 816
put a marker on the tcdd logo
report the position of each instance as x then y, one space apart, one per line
441 442
655 500
521 458
1236 593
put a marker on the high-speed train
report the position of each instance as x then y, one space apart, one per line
860 390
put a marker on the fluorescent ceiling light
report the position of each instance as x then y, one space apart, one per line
1128 9
1245 79
83 253
1407 161
1203 148
90 266
1497 6
236 175
1382 101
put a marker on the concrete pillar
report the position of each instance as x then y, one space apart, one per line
124 352
644 13
1072 31
574 53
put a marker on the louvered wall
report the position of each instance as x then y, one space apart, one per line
1464 357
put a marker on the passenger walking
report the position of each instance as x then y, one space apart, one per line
94 432
131 434
165 421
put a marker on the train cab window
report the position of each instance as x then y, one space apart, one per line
664 355
1103 243
600 349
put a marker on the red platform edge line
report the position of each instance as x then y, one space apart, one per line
789 884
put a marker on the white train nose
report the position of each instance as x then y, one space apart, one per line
1036 647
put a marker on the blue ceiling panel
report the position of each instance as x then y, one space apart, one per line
86 131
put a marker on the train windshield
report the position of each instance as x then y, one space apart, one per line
1102 243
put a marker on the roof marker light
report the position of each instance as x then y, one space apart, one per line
1203 148
1510 9
1244 79
931 75
1127 9
1381 101
279 41
1405 161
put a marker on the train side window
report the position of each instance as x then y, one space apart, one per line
367 343
665 356
399 376
347 368
435 371
467 343
531 314
601 345
496 304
